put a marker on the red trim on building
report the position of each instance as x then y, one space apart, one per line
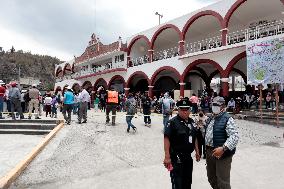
156 73
58 71
161 29
191 66
101 73
100 80
134 74
198 15
232 63
86 82
241 74
65 68
230 12
115 78
133 41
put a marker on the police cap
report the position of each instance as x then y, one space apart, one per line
184 104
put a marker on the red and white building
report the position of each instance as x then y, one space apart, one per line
184 54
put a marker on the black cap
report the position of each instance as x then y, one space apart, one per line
184 103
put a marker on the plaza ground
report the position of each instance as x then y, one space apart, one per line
87 156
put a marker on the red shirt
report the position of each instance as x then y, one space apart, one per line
2 91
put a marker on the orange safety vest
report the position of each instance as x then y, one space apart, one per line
112 97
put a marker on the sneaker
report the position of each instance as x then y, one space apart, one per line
146 124
79 122
134 129
113 124
127 130
84 121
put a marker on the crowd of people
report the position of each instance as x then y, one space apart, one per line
215 137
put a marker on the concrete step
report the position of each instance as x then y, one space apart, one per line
24 131
44 121
36 126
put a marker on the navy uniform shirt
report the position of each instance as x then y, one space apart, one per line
181 134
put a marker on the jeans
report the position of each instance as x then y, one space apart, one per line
67 108
147 118
128 121
166 118
1 105
16 106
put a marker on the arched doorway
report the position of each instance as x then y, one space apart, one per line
117 82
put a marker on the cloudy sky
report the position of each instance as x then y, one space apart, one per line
62 28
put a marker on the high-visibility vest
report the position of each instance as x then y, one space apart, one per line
112 97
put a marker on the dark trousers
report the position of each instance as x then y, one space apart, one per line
181 175
67 108
16 106
111 108
1 105
201 143
47 110
218 170
194 108
83 108
147 118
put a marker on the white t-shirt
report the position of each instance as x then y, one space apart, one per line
47 100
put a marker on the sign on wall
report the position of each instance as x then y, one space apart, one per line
265 62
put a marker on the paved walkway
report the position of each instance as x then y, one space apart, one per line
84 156
14 148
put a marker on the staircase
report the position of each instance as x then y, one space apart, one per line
27 127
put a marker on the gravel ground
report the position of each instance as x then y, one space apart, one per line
85 156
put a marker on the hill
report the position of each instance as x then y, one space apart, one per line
15 64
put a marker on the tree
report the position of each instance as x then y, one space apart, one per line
13 49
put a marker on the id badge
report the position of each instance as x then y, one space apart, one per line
190 139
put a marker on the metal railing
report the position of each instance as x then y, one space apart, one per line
264 30
205 44
166 53
139 60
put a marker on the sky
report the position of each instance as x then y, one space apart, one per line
62 28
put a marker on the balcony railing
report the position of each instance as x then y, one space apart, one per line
139 60
205 44
102 68
164 54
260 31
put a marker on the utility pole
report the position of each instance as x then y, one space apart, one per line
160 16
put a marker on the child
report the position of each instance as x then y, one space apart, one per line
96 103
47 103
54 105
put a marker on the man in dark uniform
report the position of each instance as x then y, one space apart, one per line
179 142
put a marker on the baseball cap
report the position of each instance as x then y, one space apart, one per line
218 101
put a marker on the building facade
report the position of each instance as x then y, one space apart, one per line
182 55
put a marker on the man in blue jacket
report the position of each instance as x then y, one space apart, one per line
221 140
